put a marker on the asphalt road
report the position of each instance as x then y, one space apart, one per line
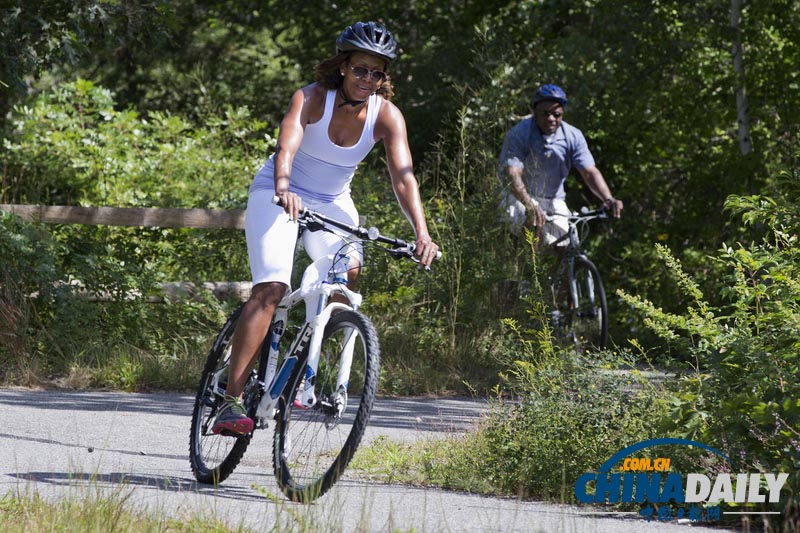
139 450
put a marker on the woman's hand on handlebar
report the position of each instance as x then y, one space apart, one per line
290 202
426 250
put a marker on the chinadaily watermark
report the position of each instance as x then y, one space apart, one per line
669 495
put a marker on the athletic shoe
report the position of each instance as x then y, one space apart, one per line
232 419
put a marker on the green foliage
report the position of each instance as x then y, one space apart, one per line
561 428
53 331
743 394
103 156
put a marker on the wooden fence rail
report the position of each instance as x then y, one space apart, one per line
148 217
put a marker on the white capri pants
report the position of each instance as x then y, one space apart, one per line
272 236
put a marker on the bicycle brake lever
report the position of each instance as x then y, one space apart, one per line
411 248
404 252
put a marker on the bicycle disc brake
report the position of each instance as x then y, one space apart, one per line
334 408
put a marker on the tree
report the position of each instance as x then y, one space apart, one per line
39 35
745 146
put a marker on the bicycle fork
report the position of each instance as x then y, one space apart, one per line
573 285
324 311
309 397
576 293
309 338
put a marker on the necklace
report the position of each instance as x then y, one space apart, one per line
352 103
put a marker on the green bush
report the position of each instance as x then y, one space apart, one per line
576 417
72 146
53 331
741 392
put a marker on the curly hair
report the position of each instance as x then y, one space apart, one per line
328 75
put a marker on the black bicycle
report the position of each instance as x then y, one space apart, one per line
580 312
319 391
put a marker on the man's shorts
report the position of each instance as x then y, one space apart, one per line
514 215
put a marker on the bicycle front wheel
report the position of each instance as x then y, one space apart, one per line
313 446
214 457
583 306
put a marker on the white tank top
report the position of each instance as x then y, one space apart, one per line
323 170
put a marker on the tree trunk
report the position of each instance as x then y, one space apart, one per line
742 117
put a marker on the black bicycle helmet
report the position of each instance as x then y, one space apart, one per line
550 92
370 37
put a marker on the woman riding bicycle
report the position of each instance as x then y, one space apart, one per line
328 129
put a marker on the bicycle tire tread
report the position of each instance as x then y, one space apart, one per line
314 490
218 474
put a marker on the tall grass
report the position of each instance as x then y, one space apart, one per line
93 510
28 513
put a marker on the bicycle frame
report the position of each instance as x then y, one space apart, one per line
565 270
574 249
310 336
315 292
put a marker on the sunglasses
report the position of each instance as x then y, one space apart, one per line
378 76
554 114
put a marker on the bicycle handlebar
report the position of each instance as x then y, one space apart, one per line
584 215
316 221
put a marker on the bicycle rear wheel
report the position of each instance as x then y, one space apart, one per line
582 308
214 457
313 446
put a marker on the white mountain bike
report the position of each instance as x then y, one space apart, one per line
322 395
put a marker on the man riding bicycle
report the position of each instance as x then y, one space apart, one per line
537 156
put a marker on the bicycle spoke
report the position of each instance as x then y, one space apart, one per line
589 323
313 446
213 457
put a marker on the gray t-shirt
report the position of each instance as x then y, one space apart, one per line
546 160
